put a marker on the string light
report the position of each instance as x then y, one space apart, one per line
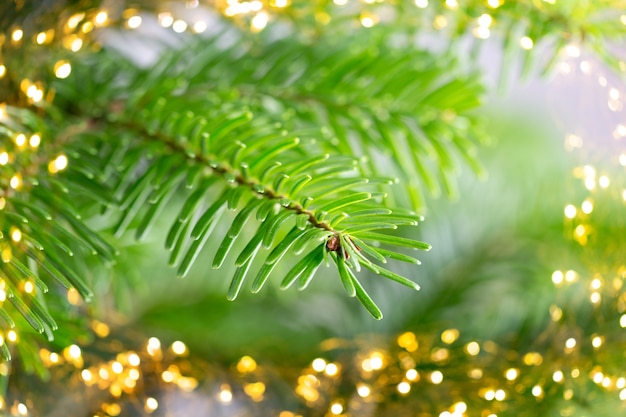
17 35
135 21
259 21
526 42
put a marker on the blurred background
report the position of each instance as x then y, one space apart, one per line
527 261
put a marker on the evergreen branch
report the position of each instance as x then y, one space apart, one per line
40 230
406 110
214 145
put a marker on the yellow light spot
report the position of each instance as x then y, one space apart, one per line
368 20
475 373
76 44
526 43
557 277
439 355
595 284
74 20
167 376
134 22
622 19
459 408
622 321
86 375
622 395
16 235
3 70
12 336
494 4
331 369
3 203
587 207
73 297
151 404
620 383
557 376
472 348
34 141
134 374
596 342
225 395
556 313
246 365
572 50
403 387
4 158
200 26
363 390
570 343
422 4
101 329
179 348
259 21
22 409
595 297
336 408
533 358
153 346
412 375
6 254
490 395
436 377
73 352
17 35
408 341
376 361
449 336
165 19
101 18
511 374
622 159
590 183
570 211
571 276
318 364
255 390
598 377
41 38
117 367
604 181
112 409
575 373
500 395
537 391
452 4
179 26
440 22
20 140
481 32
62 69
485 20
29 287
54 357
60 163
87 27
279 3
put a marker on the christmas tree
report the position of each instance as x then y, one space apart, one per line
159 160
